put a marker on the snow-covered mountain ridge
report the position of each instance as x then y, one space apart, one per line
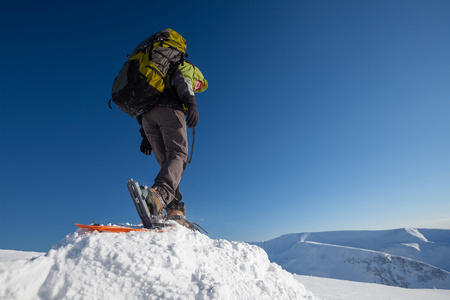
407 257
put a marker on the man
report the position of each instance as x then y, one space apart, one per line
163 129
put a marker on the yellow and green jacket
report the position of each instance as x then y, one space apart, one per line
191 72
179 92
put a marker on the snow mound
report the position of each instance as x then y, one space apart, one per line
178 264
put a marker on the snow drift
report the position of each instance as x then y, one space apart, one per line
179 264
399 257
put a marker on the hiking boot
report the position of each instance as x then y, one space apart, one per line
155 203
179 216
175 208
175 212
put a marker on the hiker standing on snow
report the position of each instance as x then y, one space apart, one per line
163 129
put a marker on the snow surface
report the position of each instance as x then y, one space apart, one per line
408 257
178 264
9 255
333 289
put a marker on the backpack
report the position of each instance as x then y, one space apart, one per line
142 77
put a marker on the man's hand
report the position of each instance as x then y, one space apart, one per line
192 117
146 148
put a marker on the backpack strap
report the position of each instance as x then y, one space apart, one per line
192 147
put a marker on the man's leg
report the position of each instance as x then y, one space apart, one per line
166 131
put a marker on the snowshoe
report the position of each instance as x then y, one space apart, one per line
148 220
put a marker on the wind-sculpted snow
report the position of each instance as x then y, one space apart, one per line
388 257
178 264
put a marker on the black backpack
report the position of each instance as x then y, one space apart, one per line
142 77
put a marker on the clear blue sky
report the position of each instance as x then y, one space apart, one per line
320 115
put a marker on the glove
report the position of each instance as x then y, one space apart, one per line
146 148
192 117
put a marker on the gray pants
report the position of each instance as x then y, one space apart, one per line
165 129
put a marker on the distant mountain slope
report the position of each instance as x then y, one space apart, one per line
400 257
9 255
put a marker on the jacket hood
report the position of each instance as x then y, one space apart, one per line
199 76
